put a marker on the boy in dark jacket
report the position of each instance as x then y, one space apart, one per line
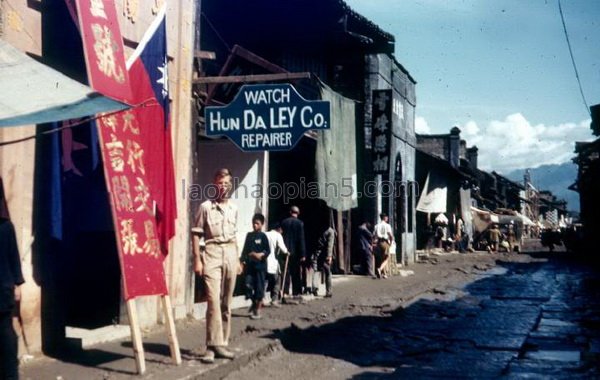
254 259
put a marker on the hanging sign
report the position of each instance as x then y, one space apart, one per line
103 48
125 170
267 117
382 128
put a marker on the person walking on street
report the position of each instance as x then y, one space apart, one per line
495 235
293 237
365 241
324 258
11 279
254 260
385 237
218 263
277 248
511 237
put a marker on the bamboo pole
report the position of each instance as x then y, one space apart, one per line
136 337
171 331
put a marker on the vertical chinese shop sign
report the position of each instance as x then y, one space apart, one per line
103 48
133 214
382 128
122 154
125 171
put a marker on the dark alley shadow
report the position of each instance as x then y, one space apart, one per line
155 348
479 335
105 360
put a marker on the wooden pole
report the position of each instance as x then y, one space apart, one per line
348 241
285 267
172 333
136 337
340 245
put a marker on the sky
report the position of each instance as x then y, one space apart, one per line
500 70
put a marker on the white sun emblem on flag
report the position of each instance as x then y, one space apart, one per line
164 80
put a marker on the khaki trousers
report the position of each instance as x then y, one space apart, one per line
220 271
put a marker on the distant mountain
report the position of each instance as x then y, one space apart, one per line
555 178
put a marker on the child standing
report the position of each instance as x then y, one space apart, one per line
277 247
254 259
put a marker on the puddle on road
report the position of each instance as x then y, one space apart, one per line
561 356
449 295
496 271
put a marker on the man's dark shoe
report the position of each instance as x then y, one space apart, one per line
223 353
328 295
289 301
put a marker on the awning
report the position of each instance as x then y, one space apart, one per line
435 194
482 219
33 93
526 220
336 153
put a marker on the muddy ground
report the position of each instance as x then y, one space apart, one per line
440 321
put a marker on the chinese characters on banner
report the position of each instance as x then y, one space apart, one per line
381 130
133 213
123 155
103 48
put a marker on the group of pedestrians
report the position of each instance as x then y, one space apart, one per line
494 239
275 261
375 247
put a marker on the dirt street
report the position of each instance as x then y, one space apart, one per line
340 337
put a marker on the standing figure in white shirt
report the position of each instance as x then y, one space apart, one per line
273 268
385 237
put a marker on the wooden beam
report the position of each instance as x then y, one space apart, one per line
136 337
252 78
203 54
257 60
339 227
171 332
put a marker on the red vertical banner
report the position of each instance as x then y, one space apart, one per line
122 153
132 206
103 48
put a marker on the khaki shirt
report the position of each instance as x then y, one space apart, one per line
495 234
216 222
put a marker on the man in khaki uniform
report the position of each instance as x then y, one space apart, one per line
218 264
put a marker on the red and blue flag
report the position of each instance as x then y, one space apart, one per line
150 87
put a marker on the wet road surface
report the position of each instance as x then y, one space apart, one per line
521 320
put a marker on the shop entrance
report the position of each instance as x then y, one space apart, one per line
293 173
75 254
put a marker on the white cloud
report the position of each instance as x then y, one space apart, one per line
470 129
421 126
514 143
